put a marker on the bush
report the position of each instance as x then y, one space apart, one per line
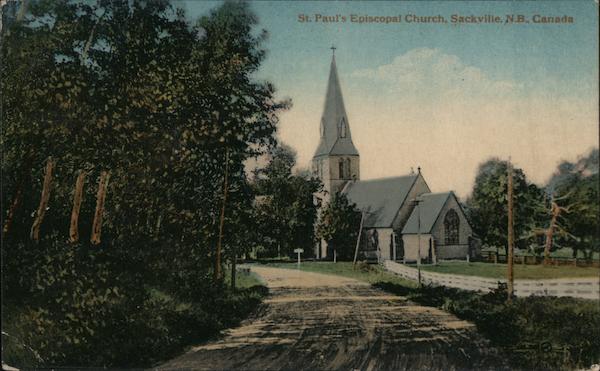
76 306
92 327
537 332
72 302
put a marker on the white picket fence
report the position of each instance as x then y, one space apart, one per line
586 288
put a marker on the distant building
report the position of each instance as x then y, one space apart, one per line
394 208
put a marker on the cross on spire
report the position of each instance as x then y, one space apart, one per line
333 48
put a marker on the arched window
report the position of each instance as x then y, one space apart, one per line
341 169
322 128
342 129
451 227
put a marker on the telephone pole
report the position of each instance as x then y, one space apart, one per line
362 218
510 273
417 201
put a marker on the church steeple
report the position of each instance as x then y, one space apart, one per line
336 160
336 138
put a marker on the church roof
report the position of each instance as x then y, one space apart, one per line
333 113
380 198
431 206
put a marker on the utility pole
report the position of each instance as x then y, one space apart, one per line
417 202
510 238
362 218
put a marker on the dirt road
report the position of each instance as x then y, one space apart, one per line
313 321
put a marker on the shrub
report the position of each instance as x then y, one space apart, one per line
537 332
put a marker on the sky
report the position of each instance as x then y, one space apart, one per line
442 96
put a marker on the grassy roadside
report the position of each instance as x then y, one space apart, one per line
162 328
243 279
193 323
543 333
490 270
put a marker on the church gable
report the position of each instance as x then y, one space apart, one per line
425 216
441 216
419 187
452 227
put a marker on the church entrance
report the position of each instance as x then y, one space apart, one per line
430 253
399 247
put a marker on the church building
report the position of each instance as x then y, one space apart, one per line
401 217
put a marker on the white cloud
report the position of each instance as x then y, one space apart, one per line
426 71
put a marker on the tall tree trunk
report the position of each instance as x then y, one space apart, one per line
233 268
77 198
550 233
41 211
100 197
13 208
222 218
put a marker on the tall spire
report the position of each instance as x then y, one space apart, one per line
335 128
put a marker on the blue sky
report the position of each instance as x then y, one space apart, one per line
543 76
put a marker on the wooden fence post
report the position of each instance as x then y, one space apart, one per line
41 211
100 197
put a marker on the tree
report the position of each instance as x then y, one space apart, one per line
582 220
574 188
338 226
287 213
487 206
167 109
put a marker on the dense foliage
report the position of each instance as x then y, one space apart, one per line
285 209
487 206
575 185
169 112
567 207
338 225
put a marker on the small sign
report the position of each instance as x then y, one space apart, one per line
298 251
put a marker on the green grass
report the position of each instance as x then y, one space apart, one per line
243 280
490 270
370 273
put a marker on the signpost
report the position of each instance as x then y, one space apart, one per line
298 251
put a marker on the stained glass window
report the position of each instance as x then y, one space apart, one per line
451 227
